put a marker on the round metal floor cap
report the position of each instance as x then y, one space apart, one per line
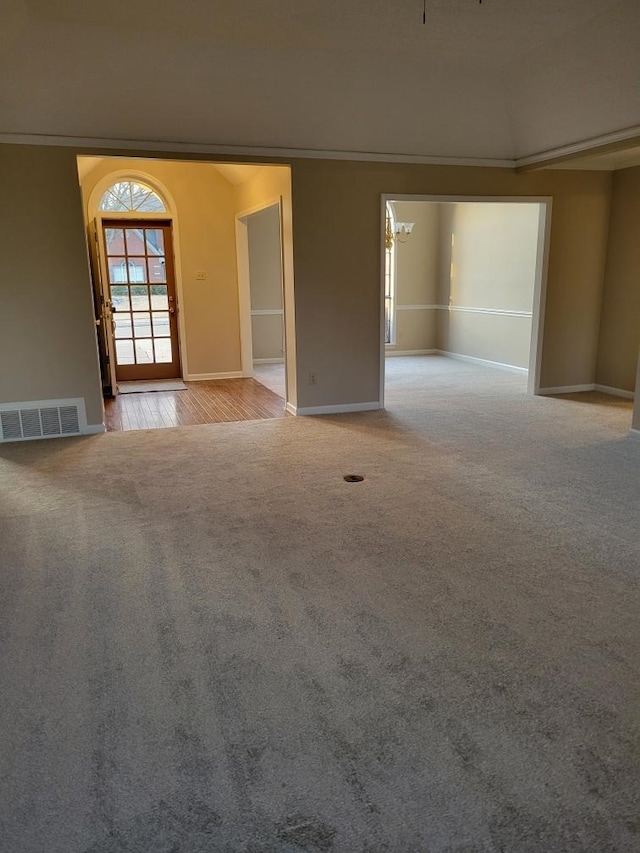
353 478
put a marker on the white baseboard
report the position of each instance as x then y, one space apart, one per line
498 365
340 409
615 392
201 377
268 360
289 407
395 352
94 429
566 389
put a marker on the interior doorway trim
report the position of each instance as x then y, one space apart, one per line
540 281
244 286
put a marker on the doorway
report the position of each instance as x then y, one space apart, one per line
203 325
142 292
260 259
464 279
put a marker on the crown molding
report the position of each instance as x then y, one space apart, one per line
607 143
90 144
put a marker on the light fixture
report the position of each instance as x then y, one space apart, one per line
398 232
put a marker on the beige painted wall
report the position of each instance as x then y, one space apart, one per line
416 276
265 259
490 250
267 186
338 280
265 274
494 255
491 337
620 317
266 332
204 235
337 285
48 344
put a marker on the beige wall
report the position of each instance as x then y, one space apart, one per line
620 317
48 344
494 255
337 284
504 340
491 252
338 279
416 276
205 241
266 335
265 276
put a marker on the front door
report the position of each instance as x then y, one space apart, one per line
139 260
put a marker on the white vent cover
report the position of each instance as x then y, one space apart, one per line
42 419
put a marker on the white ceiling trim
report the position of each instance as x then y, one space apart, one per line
87 142
576 148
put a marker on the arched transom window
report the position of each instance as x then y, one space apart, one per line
130 197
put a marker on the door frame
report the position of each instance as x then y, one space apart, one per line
120 222
244 284
94 214
540 281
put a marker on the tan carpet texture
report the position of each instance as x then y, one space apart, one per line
212 642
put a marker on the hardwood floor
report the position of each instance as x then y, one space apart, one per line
209 402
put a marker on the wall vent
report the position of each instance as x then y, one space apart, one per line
42 419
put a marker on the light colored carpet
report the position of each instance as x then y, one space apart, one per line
156 385
211 642
272 376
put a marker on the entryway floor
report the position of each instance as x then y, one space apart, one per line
208 402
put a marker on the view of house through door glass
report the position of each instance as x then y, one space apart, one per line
139 261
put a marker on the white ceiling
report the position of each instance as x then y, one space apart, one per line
500 80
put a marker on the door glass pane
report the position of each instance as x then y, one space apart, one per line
117 270
142 324
157 271
155 241
135 241
159 297
139 297
123 325
120 297
114 240
144 351
161 324
163 349
137 270
124 352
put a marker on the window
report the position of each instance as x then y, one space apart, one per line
118 273
131 196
